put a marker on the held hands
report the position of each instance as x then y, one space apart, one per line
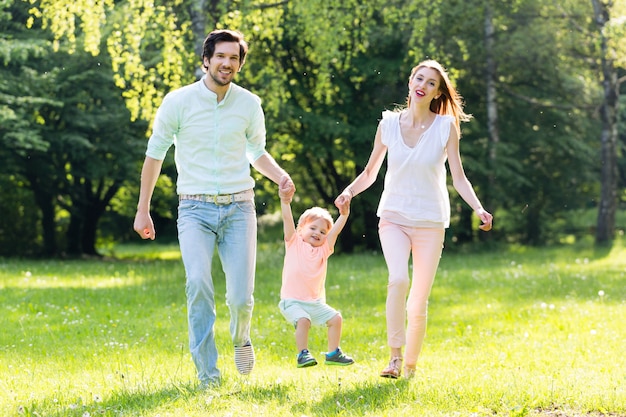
486 218
344 199
342 202
286 189
344 209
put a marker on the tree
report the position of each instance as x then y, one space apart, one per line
93 145
325 70
538 144
91 149
20 134
72 142
611 54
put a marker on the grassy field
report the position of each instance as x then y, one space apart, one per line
513 332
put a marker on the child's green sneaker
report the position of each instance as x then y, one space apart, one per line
306 359
338 358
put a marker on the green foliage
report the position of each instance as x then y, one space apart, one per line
19 97
325 70
93 145
20 225
543 119
147 44
146 41
60 19
116 224
515 332
71 142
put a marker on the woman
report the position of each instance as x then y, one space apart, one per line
414 208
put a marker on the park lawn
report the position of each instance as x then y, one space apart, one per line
512 332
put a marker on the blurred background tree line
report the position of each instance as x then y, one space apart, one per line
80 82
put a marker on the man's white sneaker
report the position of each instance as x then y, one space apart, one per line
244 358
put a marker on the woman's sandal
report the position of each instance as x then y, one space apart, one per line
394 369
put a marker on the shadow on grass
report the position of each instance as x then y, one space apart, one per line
362 398
142 401
120 403
125 402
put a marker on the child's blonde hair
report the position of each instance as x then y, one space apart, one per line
315 213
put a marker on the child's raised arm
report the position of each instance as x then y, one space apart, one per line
344 212
285 192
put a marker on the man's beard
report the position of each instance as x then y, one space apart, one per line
218 81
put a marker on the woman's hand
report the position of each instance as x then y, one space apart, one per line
486 218
344 199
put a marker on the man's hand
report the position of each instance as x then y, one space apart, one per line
286 189
144 226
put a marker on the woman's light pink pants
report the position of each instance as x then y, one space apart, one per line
424 245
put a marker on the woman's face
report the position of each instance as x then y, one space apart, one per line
424 85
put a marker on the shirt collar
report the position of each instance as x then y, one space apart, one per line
212 93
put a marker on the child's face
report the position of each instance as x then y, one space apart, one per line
314 232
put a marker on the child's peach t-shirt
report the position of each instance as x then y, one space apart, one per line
304 270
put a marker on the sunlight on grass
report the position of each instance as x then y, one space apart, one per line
147 250
518 332
34 282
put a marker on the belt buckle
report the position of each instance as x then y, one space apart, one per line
219 200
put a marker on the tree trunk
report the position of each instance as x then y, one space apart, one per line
608 196
92 208
90 232
48 225
533 232
45 202
73 235
198 27
205 15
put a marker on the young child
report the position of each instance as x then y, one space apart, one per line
302 295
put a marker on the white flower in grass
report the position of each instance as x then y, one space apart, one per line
601 293
86 414
97 398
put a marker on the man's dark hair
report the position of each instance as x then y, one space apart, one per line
224 35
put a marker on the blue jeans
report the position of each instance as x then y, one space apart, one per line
233 228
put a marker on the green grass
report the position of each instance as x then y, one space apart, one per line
517 332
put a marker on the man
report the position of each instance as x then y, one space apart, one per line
218 130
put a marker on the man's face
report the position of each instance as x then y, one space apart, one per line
224 63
